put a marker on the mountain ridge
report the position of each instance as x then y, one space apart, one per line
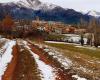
94 13
29 9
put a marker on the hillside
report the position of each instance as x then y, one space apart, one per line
29 9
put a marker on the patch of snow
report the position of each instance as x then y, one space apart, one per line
47 72
21 50
87 47
2 49
6 56
35 4
3 39
78 78
56 42
69 35
83 69
98 62
94 13
71 40
66 63
76 45
74 38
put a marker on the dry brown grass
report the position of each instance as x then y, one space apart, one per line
86 63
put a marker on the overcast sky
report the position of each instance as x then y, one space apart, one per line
79 5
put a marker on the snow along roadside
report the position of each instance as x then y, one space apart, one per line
66 62
6 57
45 70
78 78
4 47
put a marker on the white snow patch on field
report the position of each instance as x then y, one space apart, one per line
76 45
4 47
66 63
78 78
47 72
6 57
87 47
57 42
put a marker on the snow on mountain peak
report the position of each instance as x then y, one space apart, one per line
94 13
35 4
28 3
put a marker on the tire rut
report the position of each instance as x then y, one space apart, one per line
61 73
26 68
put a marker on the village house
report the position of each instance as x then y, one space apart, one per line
79 31
69 29
56 27
22 26
47 26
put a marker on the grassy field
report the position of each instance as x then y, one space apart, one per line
92 53
85 62
56 37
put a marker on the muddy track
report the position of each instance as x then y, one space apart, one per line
22 66
26 68
61 73
11 66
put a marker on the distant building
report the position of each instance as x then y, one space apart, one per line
79 31
24 25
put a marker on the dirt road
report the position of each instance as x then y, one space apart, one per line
61 73
24 66
11 67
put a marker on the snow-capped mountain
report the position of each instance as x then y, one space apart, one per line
30 9
38 5
94 13
35 5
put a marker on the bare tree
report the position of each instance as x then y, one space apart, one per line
94 30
